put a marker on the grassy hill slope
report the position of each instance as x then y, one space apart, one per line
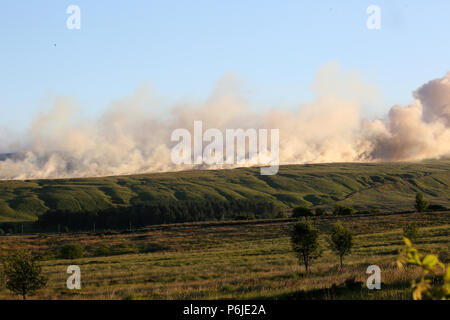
390 186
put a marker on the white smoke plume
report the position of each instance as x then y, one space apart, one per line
129 139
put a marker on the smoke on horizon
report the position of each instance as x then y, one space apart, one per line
128 139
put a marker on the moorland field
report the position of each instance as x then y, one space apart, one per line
236 259
226 259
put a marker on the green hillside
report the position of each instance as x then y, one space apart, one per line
389 186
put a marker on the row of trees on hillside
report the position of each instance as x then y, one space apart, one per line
162 212
157 213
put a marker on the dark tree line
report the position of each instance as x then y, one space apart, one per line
141 215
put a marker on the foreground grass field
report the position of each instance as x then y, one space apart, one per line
228 260
391 186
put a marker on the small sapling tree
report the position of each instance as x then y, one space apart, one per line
305 242
340 241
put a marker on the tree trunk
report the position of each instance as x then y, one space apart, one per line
305 259
341 258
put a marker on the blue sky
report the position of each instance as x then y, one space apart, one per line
183 47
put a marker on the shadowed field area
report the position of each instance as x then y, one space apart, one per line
220 260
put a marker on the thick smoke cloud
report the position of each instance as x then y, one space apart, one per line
129 139
435 96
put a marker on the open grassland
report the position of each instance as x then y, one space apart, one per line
390 186
227 260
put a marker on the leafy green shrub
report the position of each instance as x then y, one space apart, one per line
431 266
71 251
2 232
343 211
301 212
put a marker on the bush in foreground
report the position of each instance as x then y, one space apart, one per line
22 274
431 266
72 251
